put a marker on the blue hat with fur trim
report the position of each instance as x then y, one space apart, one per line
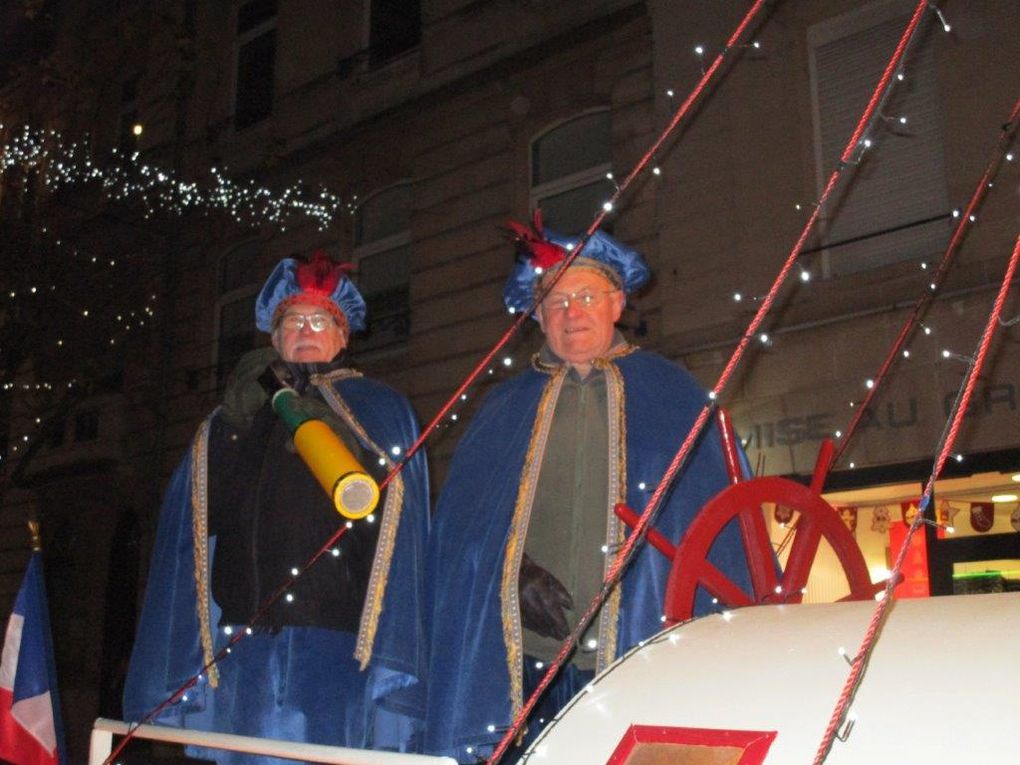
541 252
320 282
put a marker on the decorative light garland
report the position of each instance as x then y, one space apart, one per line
125 176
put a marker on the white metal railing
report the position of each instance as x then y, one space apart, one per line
103 731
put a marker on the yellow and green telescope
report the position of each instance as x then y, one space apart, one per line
354 492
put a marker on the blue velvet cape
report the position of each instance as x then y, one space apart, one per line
470 700
301 683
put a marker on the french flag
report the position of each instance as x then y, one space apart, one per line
30 728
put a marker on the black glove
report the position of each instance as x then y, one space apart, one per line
315 408
244 394
543 600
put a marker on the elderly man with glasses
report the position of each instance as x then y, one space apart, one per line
331 658
524 528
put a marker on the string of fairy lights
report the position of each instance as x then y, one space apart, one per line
931 285
126 177
57 163
60 162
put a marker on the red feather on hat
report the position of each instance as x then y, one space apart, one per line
321 275
531 241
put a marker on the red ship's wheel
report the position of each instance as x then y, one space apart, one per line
743 501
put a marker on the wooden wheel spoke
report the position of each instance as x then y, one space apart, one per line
743 502
802 555
758 548
722 587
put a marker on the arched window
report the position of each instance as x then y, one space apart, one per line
569 163
382 253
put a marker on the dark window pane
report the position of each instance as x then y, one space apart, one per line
256 63
394 27
237 334
56 436
236 267
384 281
384 214
253 13
577 145
571 212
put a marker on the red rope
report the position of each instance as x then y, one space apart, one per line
680 457
1005 138
859 662
681 112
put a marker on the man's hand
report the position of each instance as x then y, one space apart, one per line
543 601
244 395
317 409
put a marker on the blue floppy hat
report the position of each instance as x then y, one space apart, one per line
320 281
541 252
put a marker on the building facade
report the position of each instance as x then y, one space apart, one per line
436 121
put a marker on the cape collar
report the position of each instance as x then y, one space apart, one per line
303 373
549 363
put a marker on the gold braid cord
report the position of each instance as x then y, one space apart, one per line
511 609
617 405
392 508
609 615
200 533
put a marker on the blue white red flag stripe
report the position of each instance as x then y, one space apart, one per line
30 729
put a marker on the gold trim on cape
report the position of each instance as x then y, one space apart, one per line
200 533
617 492
379 575
392 507
509 588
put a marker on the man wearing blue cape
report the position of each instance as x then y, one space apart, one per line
332 661
525 529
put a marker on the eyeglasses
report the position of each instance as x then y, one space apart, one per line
295 322
585 298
